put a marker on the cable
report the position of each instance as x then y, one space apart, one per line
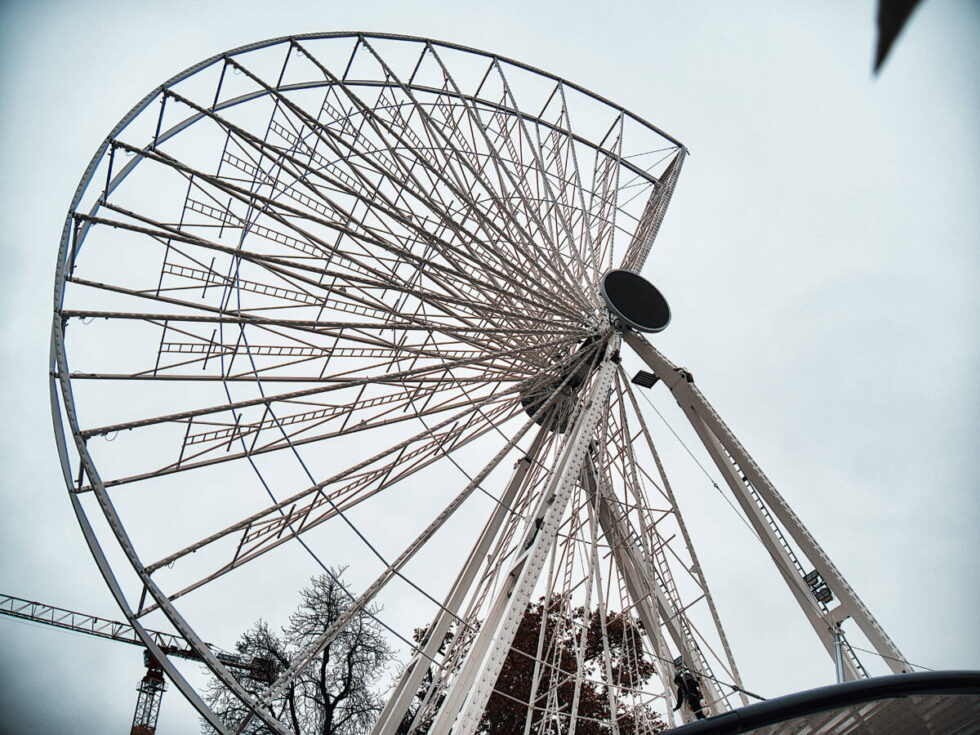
701 466
890 658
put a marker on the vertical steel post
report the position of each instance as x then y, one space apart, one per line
467 697
838 654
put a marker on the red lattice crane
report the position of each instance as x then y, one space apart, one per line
152 685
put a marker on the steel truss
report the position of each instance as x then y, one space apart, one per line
302 286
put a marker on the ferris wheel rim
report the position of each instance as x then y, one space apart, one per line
63 404
244 48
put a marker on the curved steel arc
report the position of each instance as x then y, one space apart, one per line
241 99
206 654
483 299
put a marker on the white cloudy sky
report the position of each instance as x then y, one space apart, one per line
820 256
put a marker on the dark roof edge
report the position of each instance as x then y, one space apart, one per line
835 696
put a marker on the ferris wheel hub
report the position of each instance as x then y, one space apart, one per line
634 302
567 382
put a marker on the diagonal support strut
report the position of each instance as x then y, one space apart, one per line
764 506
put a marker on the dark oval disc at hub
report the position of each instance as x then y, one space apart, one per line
635 300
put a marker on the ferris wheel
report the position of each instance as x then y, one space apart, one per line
349 296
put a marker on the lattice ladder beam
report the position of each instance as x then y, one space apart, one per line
583 633
696 568
722 445
660 571
644 587
666 580
539 649
653 215
646 598
859 672
612 690
471 690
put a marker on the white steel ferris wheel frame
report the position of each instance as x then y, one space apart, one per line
506 231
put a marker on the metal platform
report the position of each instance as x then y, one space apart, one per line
940 702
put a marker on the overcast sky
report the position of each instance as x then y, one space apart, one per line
820 256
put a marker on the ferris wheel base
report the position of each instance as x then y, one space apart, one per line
934 701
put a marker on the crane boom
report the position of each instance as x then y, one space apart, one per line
152 686
58 617
38 612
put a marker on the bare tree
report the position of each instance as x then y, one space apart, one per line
334 694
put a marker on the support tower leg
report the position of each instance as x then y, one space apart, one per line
773 520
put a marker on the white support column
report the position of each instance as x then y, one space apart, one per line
401 698
743 475
773 543
467 697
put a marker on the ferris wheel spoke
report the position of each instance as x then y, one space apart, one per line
537 152
591 258
603 194
222 454
426 442
603 598
535 254
265 531
502 530
393 569
695 567
448 613
364 261
454 151
290 281
267 434
655 551
278 211
457 292
395 176
639 595
653 215
371 113
571 218
471 688
208 345
490 335
531 204
348 361
392 378
312 326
